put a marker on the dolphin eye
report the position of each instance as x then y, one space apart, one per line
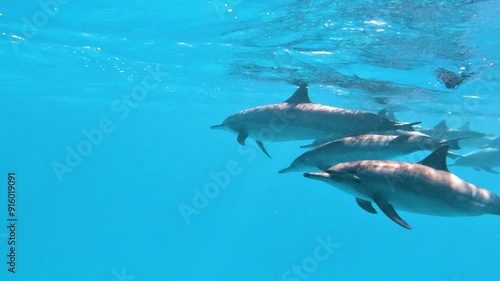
355 178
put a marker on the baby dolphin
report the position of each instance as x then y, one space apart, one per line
482 159
425 187
300 119
365 147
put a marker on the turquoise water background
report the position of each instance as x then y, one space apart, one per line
69 68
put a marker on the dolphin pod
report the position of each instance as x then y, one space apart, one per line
300 119
365 147
425 187
352 151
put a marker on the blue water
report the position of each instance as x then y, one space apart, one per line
68 70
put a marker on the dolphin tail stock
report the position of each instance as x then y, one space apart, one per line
407 126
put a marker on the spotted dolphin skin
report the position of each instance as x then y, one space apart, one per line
365 147
300 119
426 187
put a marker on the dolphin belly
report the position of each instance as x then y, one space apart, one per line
434 195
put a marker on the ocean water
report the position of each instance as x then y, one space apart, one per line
106 113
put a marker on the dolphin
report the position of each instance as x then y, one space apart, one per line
493 143
387 133
473 138
300 119
425 187
482 159
387 114
450 79
365 147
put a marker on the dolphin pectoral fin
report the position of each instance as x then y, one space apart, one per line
389 211
489 169
366 205
242 137
261 146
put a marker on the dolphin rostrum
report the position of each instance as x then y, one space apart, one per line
300 119
425 187
365 147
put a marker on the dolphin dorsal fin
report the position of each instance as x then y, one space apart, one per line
465 126
300 96
392 116
382 113
437 159
442 125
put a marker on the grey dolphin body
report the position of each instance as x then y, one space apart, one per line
300 119
365 147
493 143
471 138
482 159
426 187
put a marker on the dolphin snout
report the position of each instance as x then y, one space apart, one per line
317 176
217 126
289 169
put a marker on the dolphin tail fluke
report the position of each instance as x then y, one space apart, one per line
261 146
366 205
408 126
